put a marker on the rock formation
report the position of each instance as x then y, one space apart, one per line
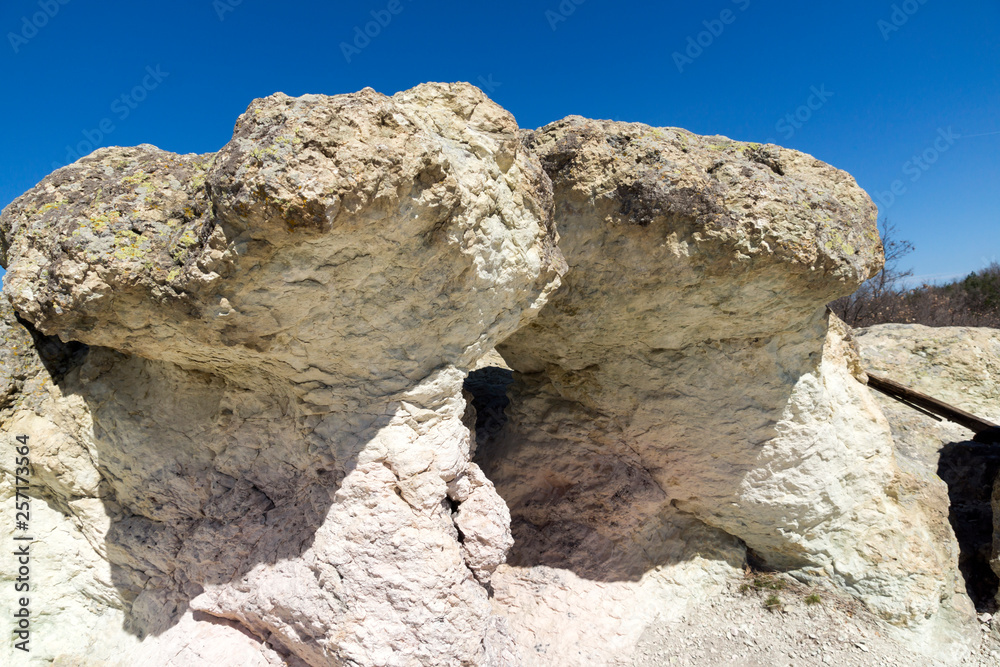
687 379
961 366
278 335
241 375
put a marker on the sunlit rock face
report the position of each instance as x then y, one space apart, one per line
271 406
960 366
241 375
687 374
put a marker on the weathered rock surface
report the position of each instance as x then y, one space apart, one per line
960 366
242 379
686 374
271 405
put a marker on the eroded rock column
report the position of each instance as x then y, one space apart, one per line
278 337
687 374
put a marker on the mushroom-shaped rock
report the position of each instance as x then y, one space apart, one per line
278 335
686 373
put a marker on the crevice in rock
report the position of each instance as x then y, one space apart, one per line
969 469
205 617
761 155
758 563
488 387
453 509
287 656
59 358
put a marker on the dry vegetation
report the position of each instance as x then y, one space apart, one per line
973 301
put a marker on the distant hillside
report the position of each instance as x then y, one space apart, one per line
973 301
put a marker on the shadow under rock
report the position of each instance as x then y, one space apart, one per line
969 469
488 387
57 357
198 494
662 536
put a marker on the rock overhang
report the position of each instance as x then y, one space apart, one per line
340 264
416 201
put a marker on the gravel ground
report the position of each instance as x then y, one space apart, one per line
740 628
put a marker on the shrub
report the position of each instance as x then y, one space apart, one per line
973 301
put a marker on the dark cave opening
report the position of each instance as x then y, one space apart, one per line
969 469
488 387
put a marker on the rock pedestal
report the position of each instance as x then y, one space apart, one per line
241 375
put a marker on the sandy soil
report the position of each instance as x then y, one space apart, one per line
741 628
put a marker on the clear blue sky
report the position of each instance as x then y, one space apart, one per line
887 91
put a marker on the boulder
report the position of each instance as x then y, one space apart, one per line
960 366
687 380
243 378
270 407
